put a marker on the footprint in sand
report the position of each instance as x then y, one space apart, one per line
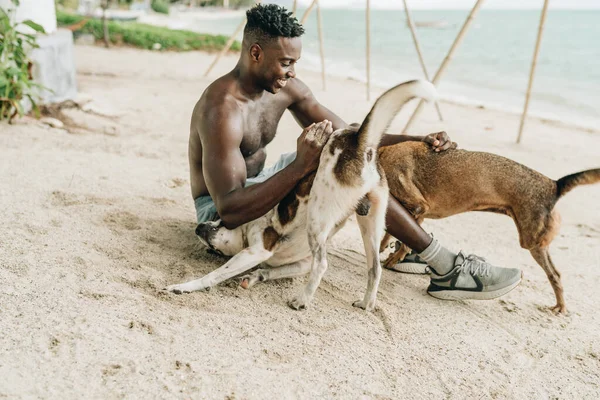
176 182
65 199
588 230
123 219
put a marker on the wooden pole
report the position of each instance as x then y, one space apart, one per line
533 65
368 15
321 45
227 46
448 58
418 48
307 12
294 7
106 35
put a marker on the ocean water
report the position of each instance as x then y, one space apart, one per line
491 67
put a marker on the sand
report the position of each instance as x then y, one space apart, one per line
96 220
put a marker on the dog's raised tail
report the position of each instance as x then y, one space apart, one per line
387 106
569 182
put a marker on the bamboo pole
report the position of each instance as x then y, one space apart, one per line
307 12
368 16
413 31
533 65
105 34
227 46
448 58
321 45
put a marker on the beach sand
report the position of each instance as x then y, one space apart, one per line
96 221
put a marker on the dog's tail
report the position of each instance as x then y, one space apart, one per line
569 182
387 106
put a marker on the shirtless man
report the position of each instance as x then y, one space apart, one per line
237 117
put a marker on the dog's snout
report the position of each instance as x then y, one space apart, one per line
203 230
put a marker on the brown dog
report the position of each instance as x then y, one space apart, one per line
438 185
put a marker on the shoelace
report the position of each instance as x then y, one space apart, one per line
475 265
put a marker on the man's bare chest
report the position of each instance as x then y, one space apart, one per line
260 127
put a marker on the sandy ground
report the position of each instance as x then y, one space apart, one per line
95 222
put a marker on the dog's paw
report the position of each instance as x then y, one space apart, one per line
185 288
249 280
298 303
559 309
369 306
177 289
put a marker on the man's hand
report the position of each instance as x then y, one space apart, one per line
310 144
439 141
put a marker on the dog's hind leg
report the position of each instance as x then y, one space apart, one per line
387 238
397 256
317 240
372 229
292 270
542 256
240 263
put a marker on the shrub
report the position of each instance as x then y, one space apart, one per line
160 6
16 82
145 36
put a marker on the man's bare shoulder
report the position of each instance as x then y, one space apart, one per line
218 105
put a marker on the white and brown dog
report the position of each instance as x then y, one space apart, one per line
349 179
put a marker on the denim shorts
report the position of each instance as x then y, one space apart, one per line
205 207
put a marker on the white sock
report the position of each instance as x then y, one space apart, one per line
438 257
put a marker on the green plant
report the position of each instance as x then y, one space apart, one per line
68 4
16 81
145 36
160 6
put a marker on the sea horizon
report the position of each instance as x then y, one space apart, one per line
490 68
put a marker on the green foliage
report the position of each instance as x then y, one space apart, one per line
145 36
15 67
68 4
160 6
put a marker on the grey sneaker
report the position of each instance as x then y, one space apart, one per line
473 278
412 263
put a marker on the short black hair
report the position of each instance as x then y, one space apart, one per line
270 21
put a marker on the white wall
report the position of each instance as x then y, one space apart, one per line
42 12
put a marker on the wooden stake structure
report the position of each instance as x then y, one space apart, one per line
533 65
227 46
368 16
321 45
307 12
448 58
418 48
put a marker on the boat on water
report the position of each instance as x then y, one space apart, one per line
431 24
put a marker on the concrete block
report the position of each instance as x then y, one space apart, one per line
85 39
54 66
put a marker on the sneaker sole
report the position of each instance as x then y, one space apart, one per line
470 295
410 268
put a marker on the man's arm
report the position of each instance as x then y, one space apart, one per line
306 109
224 170
439 141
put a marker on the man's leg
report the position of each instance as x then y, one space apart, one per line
454 276
402 225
